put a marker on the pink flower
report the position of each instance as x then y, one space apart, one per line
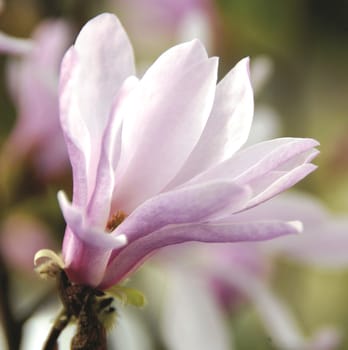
33 83
156 161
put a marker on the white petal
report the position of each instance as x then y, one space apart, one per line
163 121
103 59
228 125
99 205
191 317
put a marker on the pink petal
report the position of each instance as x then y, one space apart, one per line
228 125
277 182
100 203
164 119
86 249
103 60
85 264
74 129
185 205
80 227
136 252
256 161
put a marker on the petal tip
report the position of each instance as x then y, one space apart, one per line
297 225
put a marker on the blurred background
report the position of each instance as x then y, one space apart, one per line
299 67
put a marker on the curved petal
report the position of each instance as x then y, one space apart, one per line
84 264
86 249
228 125
135 252
185 205
178 93
93 236
99 205
74 129
256 161
276 182
103 60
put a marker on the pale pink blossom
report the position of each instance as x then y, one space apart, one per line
163 153
152 24
21 236
33 82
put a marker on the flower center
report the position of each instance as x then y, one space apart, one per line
115 220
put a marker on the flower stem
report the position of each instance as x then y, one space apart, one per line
81 303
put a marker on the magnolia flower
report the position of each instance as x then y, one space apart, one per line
33 83
156 161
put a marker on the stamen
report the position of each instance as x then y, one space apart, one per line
48 264
115 220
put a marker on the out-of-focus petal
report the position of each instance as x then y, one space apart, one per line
164 119
261 69
277 318
323 245
191 318
14 46
289 206
134 253
33 84
20 238
131 333
228 125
